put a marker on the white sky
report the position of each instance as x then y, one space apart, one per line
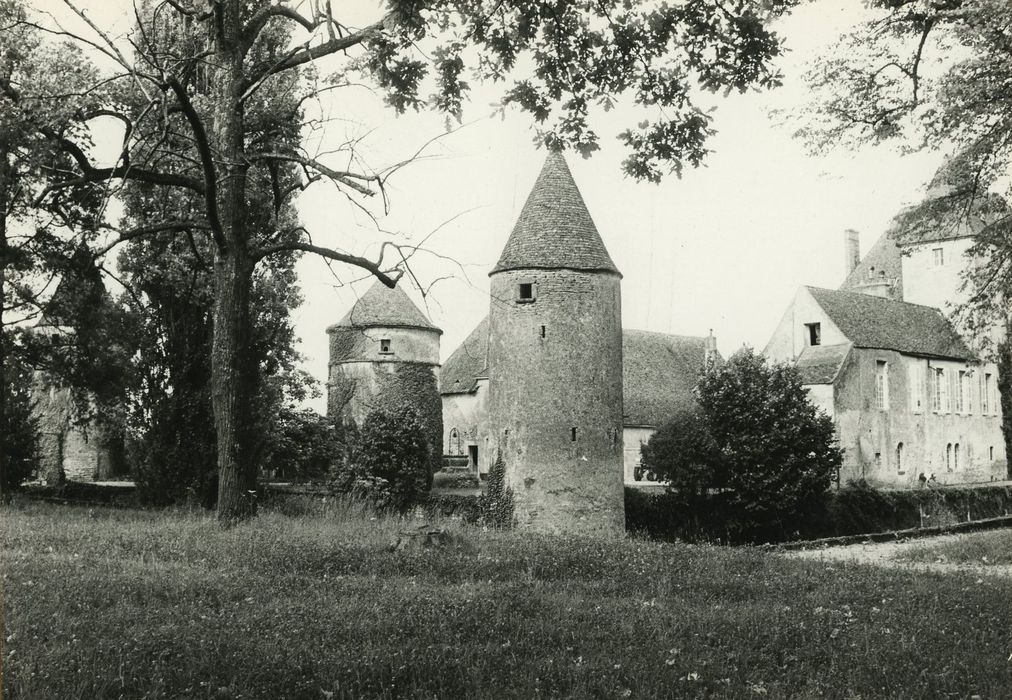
724 248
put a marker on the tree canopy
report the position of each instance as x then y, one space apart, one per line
191 124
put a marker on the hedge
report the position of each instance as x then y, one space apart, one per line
853 510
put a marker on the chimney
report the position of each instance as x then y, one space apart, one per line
710 352
852 249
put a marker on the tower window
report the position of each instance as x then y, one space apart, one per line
542 331
385 346
572 434
899 458
814 333
526 292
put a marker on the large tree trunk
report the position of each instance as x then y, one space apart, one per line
231 371
232 389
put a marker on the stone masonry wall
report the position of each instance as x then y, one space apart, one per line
555 400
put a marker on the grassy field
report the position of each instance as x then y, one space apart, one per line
107 603
983 548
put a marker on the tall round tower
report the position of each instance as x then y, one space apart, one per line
555 361
384 354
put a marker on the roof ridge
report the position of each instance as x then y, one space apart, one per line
872 296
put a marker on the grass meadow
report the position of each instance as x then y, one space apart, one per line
980 548
114 603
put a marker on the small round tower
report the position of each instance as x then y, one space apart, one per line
555 359
384 353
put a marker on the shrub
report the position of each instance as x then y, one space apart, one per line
392 451
304 446
753 459
497 501
19 428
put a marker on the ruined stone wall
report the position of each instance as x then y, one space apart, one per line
555 400
69 449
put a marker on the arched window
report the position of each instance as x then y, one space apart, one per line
454 446
948 457
955 457
899 458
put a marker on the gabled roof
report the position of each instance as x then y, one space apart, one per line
659 372
555 230
820 364
658 375
383 306
460 372
875 322
884 256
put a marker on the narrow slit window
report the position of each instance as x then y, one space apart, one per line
572 434
899 458
542 331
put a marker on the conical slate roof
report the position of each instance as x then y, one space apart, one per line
383 306
555 230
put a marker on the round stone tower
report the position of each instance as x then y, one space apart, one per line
555 362
384 354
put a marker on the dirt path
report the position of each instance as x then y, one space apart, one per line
886 554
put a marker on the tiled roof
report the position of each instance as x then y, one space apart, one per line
875 322
555 230
659 372
459 373
885 257
819 364
383 306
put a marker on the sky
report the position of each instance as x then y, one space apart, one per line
723 248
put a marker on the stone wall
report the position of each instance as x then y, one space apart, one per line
555 400
468 415
69 448
865 430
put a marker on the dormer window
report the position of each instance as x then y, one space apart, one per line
814 333
385 346
525 292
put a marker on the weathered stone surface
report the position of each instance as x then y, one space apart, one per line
555 400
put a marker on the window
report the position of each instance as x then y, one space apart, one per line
572 434
958 392
882 384
990 453
955 457
987 402
814 333
948 457
899 458
454 446
938 256
542 331
941 396
385 346
915 380
878 461
525 292
963 402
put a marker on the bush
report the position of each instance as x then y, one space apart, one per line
755 457
496 503
392 451
19 428
304 446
